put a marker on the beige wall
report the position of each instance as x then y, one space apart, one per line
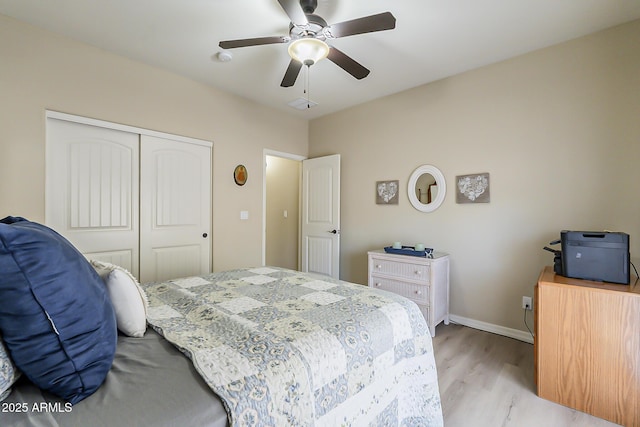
40 71
557 129
283 189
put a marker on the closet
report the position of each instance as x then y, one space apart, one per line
133 197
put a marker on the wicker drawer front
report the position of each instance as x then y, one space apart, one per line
401 270
425 281
416 293
425 312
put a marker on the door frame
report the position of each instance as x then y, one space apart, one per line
284 155
126 128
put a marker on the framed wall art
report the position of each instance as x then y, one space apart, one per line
473 188
387 192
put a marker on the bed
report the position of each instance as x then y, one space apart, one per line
150 383
255 347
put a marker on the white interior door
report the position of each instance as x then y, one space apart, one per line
175 209
92 190
320 222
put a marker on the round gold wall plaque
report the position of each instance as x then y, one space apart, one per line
240 175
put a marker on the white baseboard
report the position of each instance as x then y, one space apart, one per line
490 327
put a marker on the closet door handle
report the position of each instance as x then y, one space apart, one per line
204 235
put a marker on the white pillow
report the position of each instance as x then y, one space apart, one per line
127 297
8 372
102 268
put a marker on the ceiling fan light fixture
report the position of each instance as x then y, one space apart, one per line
308 50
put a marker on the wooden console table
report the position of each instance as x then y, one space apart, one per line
587 346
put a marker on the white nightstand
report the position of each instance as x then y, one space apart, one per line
423 280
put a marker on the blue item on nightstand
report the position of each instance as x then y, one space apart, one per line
409 250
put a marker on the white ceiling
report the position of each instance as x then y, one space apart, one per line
433 39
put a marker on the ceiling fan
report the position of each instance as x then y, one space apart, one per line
307 38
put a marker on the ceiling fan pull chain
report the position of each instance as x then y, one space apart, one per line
306 90
306 81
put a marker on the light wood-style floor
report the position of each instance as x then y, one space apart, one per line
486 380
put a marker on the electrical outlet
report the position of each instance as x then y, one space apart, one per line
526 303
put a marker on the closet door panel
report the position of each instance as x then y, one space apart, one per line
175 207
92 190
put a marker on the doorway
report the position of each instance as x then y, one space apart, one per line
311 242
282 210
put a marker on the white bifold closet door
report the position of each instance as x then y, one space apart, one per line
142 202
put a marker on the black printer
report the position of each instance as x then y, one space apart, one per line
593 255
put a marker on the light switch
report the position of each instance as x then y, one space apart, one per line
285 213
244 215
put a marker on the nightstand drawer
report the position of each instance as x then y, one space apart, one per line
400 269
416 293
424 309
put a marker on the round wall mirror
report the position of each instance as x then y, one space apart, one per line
426 188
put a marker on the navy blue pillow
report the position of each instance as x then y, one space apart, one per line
56 318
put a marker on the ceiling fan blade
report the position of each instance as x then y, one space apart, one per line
368 24
347 63
291 75
294 11
230 44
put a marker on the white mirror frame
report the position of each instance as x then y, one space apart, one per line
442 188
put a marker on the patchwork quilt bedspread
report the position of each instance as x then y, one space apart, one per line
284 348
